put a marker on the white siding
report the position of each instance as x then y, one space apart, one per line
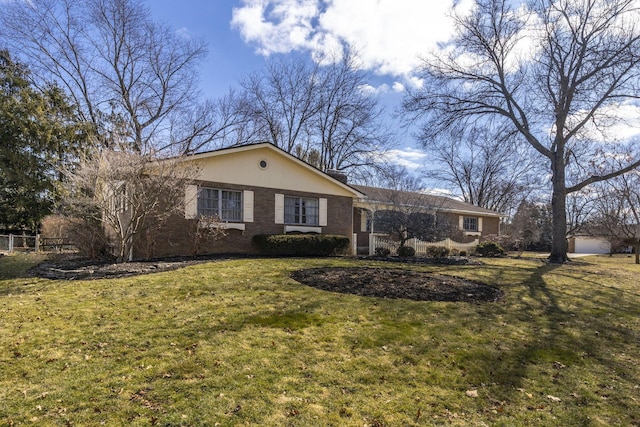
591 245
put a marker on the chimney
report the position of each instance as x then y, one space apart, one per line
338 175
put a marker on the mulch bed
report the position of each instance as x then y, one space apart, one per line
70 268
397 283
373 282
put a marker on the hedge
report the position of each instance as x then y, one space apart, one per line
302 244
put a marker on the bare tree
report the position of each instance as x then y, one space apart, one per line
487 166
617 212
349 122
530 227
206 229
555 71
405 211
126 73
318 111
212 125
130 194
284 100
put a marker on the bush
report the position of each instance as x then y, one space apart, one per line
406 251
86 235
301 244
437 251
382 251
454 252
489 249
463 253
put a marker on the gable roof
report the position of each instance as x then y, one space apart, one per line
385 196
270 176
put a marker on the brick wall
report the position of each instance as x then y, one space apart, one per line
175 238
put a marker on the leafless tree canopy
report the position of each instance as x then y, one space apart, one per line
557 72
318 111
128 75
129 193
489 167
405 211
616 214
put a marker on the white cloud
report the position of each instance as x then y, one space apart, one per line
388 34
182 32
616 122
410 158
398 87
278 26
375 90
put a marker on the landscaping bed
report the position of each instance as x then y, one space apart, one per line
397 283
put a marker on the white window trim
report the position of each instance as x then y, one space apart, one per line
322 211
220 190
226 226
302 229
233 226
477 232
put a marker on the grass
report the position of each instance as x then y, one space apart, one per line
240 343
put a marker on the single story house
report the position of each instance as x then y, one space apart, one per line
256 189
261 189
467 222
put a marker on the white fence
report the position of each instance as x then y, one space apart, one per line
418 245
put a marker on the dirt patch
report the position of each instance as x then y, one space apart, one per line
397 283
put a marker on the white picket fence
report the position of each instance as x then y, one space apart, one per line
419 246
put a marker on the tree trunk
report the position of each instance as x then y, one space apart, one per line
559 212
636 249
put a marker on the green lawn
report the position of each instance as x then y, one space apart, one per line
240 343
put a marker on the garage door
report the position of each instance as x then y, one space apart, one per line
591 245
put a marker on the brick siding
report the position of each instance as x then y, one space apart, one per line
175 238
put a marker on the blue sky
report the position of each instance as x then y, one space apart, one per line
388 34
229 56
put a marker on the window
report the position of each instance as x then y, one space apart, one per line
225 204
301 210
470 224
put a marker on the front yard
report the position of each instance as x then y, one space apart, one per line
239 342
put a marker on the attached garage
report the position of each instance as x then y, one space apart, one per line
589 245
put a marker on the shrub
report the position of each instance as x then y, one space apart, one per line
437 251
406 251
489 249
454 252
380 251
463 253
86 235
301 244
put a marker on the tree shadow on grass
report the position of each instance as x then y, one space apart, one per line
563 330
15 276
